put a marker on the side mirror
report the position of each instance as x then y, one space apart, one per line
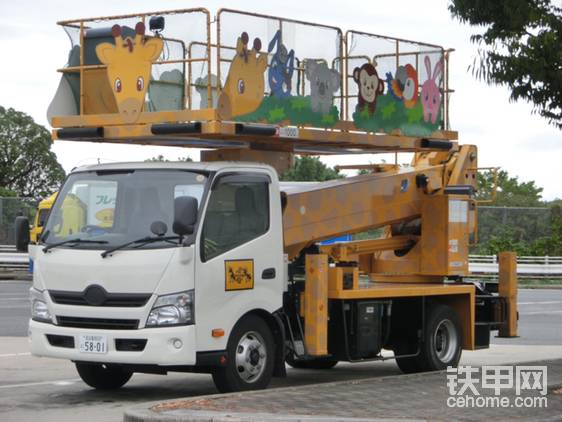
22 233
185 215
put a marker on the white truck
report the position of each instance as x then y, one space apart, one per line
216 266
184 267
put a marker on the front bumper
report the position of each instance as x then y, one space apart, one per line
159 348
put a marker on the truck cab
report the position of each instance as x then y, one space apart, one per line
149 288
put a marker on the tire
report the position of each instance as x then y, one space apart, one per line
103 377
318 363
440 347
250 357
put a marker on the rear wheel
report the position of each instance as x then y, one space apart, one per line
318 363
440 347
250 360
103 377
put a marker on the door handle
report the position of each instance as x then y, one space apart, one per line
268 274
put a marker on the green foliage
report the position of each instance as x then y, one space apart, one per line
295 110
6 193
391 114
160 159
552 244
505 238
510 192
520 47
308 169
518 220
28 167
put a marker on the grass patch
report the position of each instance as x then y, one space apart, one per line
295 110
391 114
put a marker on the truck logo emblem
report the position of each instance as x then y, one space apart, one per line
95 295
239 274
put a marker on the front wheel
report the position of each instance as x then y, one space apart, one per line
250 357
103 377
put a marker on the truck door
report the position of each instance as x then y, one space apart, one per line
239 266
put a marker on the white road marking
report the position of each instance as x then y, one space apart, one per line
33 384
2 299
552 302
8 355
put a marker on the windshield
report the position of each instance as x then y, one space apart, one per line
119 206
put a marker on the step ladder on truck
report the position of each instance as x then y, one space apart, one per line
217 266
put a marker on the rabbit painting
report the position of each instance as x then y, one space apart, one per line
430 96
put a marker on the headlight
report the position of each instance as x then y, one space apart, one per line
174 309
39 310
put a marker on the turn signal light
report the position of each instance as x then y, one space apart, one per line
217 332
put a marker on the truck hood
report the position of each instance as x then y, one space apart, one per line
139 271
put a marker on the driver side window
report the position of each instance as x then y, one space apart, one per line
238 212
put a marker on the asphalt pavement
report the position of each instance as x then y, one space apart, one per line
49 389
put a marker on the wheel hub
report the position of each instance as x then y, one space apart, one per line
251 356
445 341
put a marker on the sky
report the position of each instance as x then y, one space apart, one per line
507 134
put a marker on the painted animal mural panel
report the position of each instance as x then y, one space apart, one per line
430 96
129 62
404 86
244 87
369 86
403 107
324 83
281 68
283 105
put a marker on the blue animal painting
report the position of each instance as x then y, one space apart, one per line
281 68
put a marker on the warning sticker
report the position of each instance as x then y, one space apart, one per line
453 245
239 274
458 211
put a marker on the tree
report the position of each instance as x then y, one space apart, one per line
308 169
160 159
520 47
28 167
510 191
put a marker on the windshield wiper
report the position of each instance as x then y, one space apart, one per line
64 242
147 239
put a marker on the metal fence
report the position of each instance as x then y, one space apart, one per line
527 266
10 208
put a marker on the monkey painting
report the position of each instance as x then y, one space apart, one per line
369 85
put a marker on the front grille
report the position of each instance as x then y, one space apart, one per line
61 341
99 323
125 300
130 344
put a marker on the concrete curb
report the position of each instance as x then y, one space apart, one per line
146 415
144 412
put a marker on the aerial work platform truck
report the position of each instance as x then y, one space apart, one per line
217 266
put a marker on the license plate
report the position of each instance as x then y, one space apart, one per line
93 344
